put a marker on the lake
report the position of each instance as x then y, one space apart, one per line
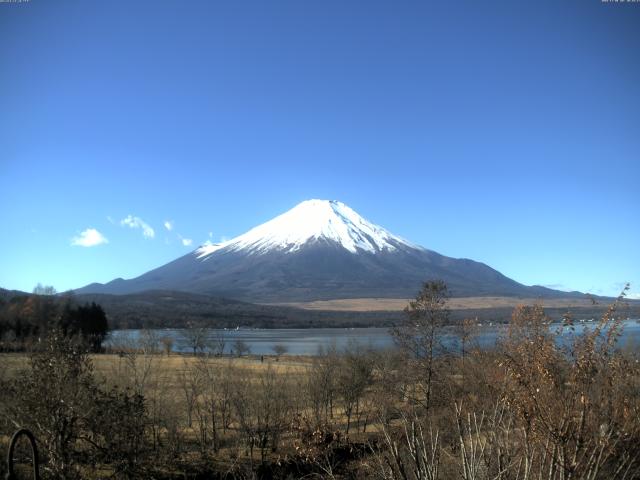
301 341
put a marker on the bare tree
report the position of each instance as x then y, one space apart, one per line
149 341
354 376
167 344
240 348
279 349
216 343
212 399
320 388
418 335
189 380
412 454
75 421
321 384
195 337
262 408
135 360
40 289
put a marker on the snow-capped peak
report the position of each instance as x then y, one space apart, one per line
312 220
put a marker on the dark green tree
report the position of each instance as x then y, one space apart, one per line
87 321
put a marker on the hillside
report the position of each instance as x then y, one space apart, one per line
320 250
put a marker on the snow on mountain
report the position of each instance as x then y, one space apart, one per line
312 220
319 250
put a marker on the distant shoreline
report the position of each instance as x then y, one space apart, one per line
454 303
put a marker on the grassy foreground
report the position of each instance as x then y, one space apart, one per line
529 409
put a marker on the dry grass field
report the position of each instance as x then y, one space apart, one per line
398 304
171 366
248 394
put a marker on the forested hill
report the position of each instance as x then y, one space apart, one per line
167 309
171 309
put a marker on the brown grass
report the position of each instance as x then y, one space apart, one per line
397 304
171 366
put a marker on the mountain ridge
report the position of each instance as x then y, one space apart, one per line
319 250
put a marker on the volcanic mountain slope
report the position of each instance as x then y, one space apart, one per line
316 251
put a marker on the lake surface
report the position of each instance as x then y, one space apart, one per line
301 341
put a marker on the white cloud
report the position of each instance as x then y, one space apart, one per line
89 238
137 222
168 224
210 234
185 241
634 296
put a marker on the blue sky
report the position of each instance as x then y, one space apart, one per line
507 132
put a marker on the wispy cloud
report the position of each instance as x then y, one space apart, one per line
89 238
185 241
168 224
137 222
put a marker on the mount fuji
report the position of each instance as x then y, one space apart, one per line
319 250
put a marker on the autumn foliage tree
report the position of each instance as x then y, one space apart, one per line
25 318
573 401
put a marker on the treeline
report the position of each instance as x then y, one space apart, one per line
170 309
24 319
